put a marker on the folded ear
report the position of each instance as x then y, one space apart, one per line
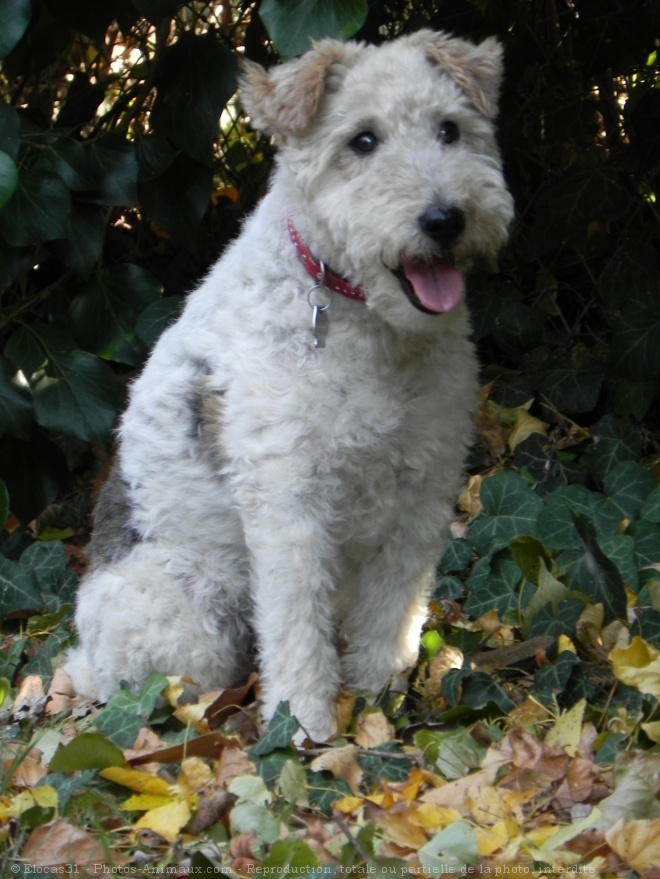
477 68
285 99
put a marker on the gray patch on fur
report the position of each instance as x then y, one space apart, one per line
113 535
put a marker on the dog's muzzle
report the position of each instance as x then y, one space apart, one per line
435 286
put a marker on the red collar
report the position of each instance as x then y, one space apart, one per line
315 269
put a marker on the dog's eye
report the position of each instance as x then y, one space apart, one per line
449 132
364 142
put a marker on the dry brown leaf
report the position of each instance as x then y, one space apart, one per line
468 500
398 828
577 785
30 770
233 763
59 844
460 793
208 745
342 762
373 729
229 702
61 693
528 754
31 699
636 842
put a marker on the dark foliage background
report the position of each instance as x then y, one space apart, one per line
118 188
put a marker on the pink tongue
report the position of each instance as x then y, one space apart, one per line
438 285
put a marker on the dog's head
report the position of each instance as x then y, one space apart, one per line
391 159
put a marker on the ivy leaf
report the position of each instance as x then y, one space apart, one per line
197 77
647 542
510 508
104 316
457 556
519 328
87 750
156 317
178 199
324 790
610 445
67 158
605 584
290 856
556 523
19 590
15 16
8 178
651 507
38 210
552 679
572 388
636 341
75 394
493 585
628 484
292 24
279 732
15 402
82 251
113 166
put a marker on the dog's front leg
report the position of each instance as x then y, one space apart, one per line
293 584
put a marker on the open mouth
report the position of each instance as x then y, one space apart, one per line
434 287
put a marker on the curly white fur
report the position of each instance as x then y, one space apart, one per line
266 490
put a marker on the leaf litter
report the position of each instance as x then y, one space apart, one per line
524 742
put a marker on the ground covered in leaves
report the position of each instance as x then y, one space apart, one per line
525 743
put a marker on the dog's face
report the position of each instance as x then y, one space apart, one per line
393 160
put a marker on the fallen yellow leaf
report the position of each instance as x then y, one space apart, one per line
145 802
567 730
140 782
638 666
167 821
525 425
432 817
373 729
398 828
348 804
636 842
342 762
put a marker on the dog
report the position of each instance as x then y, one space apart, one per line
289 458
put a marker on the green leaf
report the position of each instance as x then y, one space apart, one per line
13 262
453 752
610 446
457 556
8 178
480 690
290 856
451 850
630 398
571 387
510 508
519 328
178 199
149 694
37 211
155 155
19 590
48 562
552 679
88 750
156 317
604 584
15 16
647 543
35 473
556 525
651 508
4 509
628 484
196 78
493 585
10 129
324 790
83 250
75 394
279 732
292 24
557 620
530 555
636 341
105 315
113 166
68 158
120 721
15 402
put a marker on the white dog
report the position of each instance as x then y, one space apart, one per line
290 455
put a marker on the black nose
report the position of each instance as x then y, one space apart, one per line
442 224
